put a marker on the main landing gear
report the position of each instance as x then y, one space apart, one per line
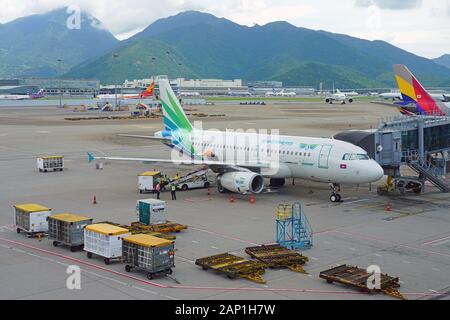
335 196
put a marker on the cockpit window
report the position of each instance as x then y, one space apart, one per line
362 157
354 156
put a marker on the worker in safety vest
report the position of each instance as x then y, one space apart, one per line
173 190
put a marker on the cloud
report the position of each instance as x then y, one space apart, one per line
390 4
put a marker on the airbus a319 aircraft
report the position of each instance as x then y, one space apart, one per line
339 97
242 161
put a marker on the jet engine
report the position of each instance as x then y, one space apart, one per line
350 100
241 182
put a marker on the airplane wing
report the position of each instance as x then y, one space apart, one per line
145 137
243 164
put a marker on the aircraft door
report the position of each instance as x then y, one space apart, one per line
324 156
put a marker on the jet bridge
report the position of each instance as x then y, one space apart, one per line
420 142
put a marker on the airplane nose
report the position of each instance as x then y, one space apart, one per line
376 171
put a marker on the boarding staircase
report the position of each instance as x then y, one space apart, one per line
293 228
429 171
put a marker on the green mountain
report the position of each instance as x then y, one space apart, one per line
194 44
443 60
32 45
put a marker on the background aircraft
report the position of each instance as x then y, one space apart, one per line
415 99
33 96
339 97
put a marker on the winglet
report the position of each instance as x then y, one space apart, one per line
91 157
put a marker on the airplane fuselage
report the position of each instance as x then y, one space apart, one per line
314 159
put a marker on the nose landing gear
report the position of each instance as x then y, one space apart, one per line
335 196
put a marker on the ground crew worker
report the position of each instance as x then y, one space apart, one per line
173 190
158 190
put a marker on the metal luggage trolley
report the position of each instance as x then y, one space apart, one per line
104 240
32 219
67 229
357 278
153 255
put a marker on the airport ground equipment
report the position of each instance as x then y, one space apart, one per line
104 240
419 142
151 211
192 180
167 227
357 278
147 181
67 229
277 256
234 267
153 255
137 230
32 219
50 163
293 228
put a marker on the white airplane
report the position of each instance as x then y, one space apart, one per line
351 93
239 93
281 93
242 161
339 97
33 96
189 94
391 96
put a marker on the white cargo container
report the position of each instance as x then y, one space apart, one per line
51 163
148 180
151 211
104 240
31 218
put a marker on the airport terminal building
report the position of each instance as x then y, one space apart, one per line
52 87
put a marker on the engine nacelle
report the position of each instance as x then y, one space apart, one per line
242 182
350 100
327 100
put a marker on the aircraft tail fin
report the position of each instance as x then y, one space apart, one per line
149 91
173 114
414 93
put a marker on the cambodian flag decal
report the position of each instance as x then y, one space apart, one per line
343 166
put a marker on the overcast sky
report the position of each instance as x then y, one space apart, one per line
419 26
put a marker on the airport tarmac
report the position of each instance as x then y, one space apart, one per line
411 242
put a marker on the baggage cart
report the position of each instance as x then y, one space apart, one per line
104 240
153 255
151 211
32 219
277 256
67 229
357 278
50 163
147 181
234 267
167 227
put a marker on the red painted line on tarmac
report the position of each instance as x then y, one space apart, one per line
81 262
198 287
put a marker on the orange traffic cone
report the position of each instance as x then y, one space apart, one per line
252 199
389 207
231 198
95 200
209 191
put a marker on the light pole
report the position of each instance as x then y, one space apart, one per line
115 55
60 83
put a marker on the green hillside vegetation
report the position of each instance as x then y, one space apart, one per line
31 46
204 46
